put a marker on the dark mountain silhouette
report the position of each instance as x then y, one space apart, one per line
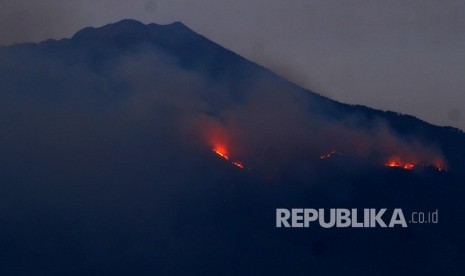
195 52
107 167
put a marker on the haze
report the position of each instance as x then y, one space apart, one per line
405 56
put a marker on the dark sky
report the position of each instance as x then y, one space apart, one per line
400 55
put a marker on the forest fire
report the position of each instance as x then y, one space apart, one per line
222 152
395 162
398 164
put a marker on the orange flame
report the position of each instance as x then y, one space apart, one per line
238 164
400 164
392 164
395 163
408 166
223 152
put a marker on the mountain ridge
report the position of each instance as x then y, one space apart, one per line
196 52
128 26
125 23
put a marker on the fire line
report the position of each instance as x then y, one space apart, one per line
221 151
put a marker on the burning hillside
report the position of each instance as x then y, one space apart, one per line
392 162
396 162
221 151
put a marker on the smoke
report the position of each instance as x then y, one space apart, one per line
107 154
274 128
145 98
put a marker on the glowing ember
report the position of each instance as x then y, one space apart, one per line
393 164
328 155
238 164
408 166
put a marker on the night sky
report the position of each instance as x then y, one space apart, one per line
405 56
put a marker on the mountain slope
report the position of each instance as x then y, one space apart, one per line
109 165
195 53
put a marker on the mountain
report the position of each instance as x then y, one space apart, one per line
151 150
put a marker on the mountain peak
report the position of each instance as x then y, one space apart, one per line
175 24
